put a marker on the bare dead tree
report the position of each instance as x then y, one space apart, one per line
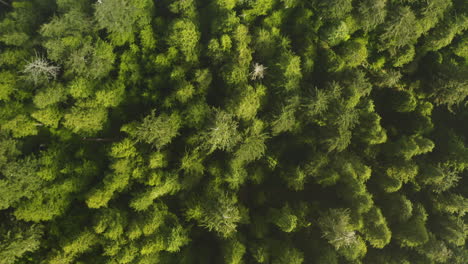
40 69
258 71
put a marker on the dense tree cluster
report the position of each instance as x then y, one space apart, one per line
233 131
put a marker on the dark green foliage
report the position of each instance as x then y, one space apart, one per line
18 239
401 29
233 131
371 13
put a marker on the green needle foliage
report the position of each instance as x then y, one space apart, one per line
233 131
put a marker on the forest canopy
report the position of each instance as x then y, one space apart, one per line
233 131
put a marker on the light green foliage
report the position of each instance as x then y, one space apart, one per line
334 9
51 95
7 85
192 163
324 177
158 131
407 147
389 78
80 88
354 168
62 34
17 241
461 48
401 173
67 5
220 214
177 239
357 194
19 182
185 92
354 53
335 33
432 12
49 203
85 120
449 86
8 150
290 3
123 149
370 128
250 102
273 116
289 255
259 252
356 87
338 142
414 232
402 29
319 102
223 134
234 251
185 36
403 101
49 116
147 38
158 160
129 69
16 25
404 56
111 96
101 195
264 41
452 229
252 148
110 223
258 8
121 18
186 8
451 203
376 230
442 177
356 251
238 73
296 179
443 34
435 250
291 65
168 185
20 126
284 218
371 13
346 120
286 120
102 60
398 207
336 228
226 4
80 244
13 58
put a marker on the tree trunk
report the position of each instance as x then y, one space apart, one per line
98 139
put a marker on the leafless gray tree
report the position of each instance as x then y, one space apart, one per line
258 71
40 69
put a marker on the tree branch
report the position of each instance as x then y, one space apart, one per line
5 3
97 139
